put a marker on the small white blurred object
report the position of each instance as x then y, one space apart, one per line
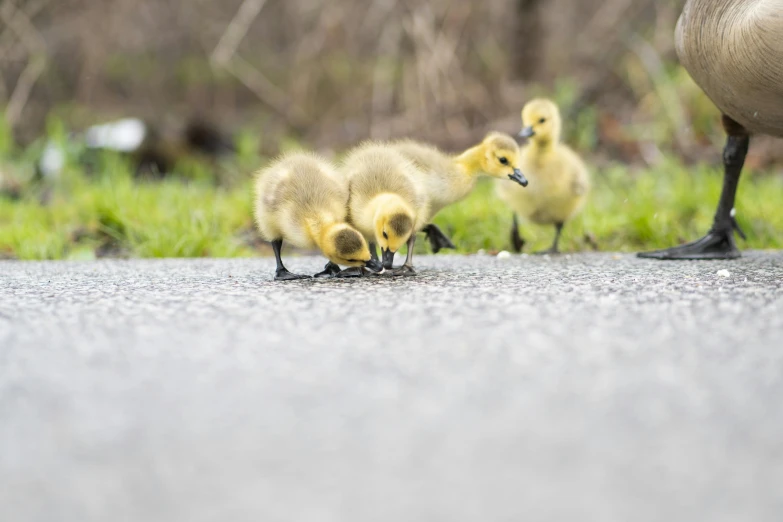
504 254
124 135
723 273
52 160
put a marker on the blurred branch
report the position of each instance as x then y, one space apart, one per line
18 22
225 57
610 15
675 111
607 60
236 31
266 91
382 86
24 86
530 30
7 40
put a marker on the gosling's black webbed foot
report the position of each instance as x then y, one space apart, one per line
354 271
404 271
554 249
717 244
282 274
330 270
438 240
517 243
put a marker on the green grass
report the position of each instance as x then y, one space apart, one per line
118 216
626 212
112 214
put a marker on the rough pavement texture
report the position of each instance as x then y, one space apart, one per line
590 387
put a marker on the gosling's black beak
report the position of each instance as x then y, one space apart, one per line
518 177
388 259
527 132
374 265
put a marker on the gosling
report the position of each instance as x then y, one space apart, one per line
559 181
386 205
302 199
448 179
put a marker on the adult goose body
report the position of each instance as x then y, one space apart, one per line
733 49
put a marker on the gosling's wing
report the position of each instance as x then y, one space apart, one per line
315 187
579 176
270 184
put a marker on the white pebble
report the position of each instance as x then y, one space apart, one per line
482 252
504 254
723 273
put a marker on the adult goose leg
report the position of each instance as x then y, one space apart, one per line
719 241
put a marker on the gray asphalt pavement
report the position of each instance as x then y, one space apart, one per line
591 387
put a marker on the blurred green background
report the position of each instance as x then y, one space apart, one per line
223 85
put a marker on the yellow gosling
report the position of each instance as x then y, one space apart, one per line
386 203
448 179
301 199
559 181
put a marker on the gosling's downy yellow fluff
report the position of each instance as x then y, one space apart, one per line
386 204
559 181
303 200
448 179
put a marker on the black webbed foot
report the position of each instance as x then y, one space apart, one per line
404 271
438 240
330 270
717 244
354 271
517 243
719 241
284 275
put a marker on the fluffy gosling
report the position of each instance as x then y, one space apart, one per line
301 199
448 179
386 205
559 181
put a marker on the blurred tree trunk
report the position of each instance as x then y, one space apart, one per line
529 42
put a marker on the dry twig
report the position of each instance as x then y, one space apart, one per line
18 22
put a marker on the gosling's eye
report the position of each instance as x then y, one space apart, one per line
503 161
542 120
385 235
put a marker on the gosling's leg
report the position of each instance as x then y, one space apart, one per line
554 248
407 268
516 240
282 273
330 270
719 241
437 238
